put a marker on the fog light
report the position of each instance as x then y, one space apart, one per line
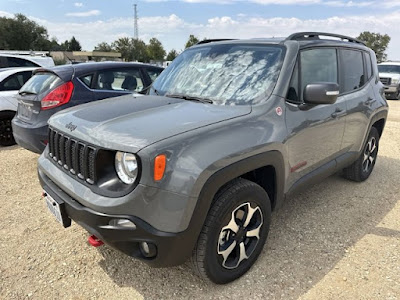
122 223
148 249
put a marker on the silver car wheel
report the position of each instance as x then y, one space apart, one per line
369 154
238 239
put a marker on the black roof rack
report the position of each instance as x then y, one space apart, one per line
316 36
213 40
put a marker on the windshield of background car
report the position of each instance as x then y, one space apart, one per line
389 69
227 74
40 83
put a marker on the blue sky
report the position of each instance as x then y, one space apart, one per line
92 22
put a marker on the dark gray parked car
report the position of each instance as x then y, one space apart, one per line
53 89
229 129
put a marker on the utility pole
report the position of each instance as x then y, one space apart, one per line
135 25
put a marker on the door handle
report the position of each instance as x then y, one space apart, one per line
369 101
338 112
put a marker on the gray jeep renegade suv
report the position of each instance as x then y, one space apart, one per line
228 130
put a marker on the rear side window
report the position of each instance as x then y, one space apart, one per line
153 73
19 62
368 63
120 80
40 83
318 65
87 80
352 70
15 81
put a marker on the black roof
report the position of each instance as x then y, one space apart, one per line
66 72
305 39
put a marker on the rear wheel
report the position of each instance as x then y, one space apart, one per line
363 166
6 135
234 233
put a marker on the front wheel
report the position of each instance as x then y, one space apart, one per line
363 166
234 233
6 135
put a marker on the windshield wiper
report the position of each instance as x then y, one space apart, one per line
155 91
189 98
150 87
26 93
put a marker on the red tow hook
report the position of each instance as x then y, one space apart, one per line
94 241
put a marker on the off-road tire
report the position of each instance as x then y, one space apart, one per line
357 171
206 261
6 135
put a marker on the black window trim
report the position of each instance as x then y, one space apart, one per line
339 54
366 53
298 61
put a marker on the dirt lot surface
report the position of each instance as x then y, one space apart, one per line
338 240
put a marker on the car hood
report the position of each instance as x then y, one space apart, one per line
130 123
389 75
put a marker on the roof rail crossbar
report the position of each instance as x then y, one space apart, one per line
316 35
213 40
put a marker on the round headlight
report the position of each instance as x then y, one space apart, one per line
126 166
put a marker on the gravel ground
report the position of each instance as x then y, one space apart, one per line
338 240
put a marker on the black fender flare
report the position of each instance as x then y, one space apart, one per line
221 177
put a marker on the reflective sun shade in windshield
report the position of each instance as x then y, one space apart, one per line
227 74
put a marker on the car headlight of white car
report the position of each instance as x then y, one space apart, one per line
126 166
395 80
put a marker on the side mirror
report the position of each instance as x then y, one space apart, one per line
321 93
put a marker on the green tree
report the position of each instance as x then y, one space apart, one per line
103 47
140 51
20 33
172 55
65 46
132 49
74 45
155 49
53 45
191 41
71 45
125 47
376 42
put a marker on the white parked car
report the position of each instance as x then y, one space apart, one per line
11 80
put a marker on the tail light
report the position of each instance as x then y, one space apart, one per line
58 96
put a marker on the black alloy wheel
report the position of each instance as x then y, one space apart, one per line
234 232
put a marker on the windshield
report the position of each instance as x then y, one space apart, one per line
39 83
389 69
227 74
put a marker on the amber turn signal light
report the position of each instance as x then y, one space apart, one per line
159 167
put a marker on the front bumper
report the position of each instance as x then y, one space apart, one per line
171 248
29 137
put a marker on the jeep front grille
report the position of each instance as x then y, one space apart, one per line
74 156
385 81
